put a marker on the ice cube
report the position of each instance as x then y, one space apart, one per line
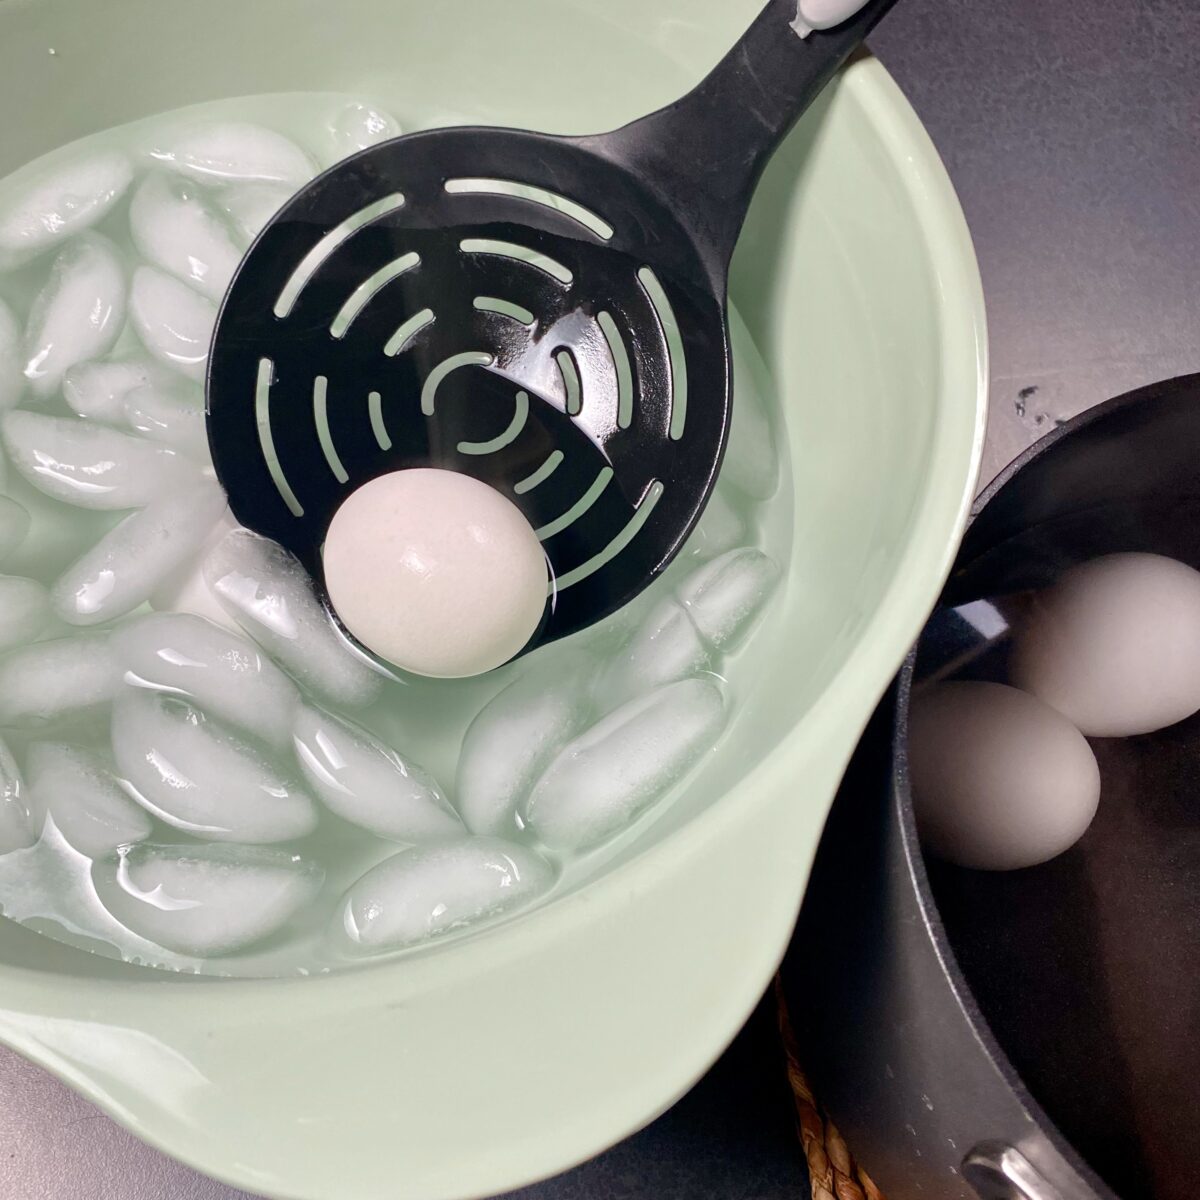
74 789
174 227
122 569
221 672
56 534
12 378
24 610
358 126
171 414
235 151
368 783
97 390
268 592
515 735
174 322
205 900
665 647
430 890
624 763
723 597
58 202
196 776
17 829
14 525
77 315
55 682
251 205
186 590
50 885
90 465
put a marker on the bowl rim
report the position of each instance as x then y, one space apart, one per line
700 978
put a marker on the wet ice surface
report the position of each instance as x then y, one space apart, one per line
268 592
358 126
97 389
205 900
514 736
73 788
16 822
77 315
174 323
249 206
222 673
368 783
171 413
198 772
176 228
24 610
122 570
682 635
187 591
49 887
665 647
429 890
722 597
199 777
87 464
54 683
48 205
234 152
604 778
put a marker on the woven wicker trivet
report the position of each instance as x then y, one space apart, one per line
832 1171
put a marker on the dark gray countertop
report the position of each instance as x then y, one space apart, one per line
1072 131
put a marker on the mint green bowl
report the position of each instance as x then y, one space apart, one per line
483 1064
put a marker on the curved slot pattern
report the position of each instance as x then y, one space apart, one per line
520 416
327 245
577 509
670 327
361 296
528 191
324 433
596 562
524 254
403 336
469 358
553 461
506 308
262 416
616 345
572 384
378 428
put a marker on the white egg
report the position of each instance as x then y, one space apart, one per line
1000 780
1114 645
435 572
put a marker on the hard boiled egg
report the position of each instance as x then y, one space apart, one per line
1000 780
1114 645
436 572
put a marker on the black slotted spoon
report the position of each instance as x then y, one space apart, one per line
546 314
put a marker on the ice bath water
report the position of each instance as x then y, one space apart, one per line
196 772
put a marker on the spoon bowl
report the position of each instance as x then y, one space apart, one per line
547 315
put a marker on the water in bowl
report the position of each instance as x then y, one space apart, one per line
196 772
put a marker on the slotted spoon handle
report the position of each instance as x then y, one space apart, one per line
706 151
